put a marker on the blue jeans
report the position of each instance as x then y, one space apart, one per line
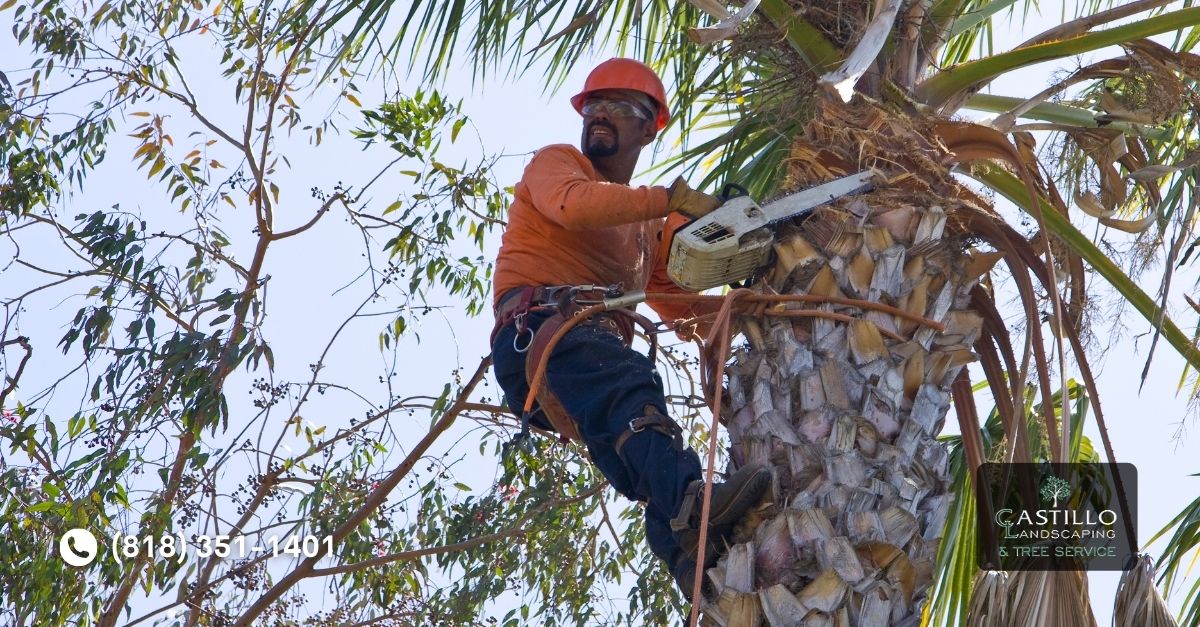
603 384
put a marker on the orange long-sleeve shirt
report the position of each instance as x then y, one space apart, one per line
567 226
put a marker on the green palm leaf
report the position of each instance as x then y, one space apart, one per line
1179 557
957 562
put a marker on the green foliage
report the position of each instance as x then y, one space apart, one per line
161 402
452 200
957 559
1178 556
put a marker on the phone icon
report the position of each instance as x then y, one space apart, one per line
78 547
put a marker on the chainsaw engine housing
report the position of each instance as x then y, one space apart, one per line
731 243
724 246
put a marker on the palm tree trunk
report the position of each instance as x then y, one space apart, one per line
847 414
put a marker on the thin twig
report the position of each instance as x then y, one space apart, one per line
516 530
372 503
13 380
321 211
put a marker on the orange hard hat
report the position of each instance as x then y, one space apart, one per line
626 74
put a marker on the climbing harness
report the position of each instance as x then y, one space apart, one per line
608 308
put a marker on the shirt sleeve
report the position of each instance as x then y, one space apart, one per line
563 191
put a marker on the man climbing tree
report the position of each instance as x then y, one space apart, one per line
576 223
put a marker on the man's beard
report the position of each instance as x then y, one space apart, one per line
593 146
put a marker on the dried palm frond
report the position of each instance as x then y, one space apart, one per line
1138 601
1058 598
989 602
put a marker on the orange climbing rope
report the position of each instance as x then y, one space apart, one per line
720 337
722 333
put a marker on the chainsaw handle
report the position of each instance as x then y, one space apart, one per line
729 192
733 190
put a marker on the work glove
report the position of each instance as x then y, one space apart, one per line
690 202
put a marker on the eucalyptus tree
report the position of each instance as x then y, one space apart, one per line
791 93
161 164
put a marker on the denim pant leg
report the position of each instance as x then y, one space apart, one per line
661 539
603 384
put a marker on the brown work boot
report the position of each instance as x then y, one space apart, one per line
684 574
730 501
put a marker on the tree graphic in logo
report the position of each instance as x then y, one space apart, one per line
1054 488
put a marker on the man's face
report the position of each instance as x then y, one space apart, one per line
614 122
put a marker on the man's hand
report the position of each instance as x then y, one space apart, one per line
690 202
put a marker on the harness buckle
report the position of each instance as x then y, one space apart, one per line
522 329
654 420
557 294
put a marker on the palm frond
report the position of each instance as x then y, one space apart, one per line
941 89
957 575
510 36
989 600
1057 597
1011 188
1179 556
807 41
1138 602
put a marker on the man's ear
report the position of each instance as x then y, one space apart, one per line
648 133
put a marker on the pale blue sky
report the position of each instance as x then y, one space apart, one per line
513 118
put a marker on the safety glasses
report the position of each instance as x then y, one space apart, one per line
615 108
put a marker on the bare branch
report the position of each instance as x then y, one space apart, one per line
13 380
152 293
321 211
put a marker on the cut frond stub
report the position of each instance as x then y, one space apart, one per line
1138 602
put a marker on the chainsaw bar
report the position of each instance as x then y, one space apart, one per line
732 242
805 201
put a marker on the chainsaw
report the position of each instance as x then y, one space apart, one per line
734 241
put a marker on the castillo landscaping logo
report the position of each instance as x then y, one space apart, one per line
1056 516
1055 488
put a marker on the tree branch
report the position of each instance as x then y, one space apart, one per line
148 291
373 502
321 211
13 380
516 530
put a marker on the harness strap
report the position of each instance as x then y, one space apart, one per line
687 515
514 307
654 421
552 408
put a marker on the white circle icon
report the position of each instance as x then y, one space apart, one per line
78 547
